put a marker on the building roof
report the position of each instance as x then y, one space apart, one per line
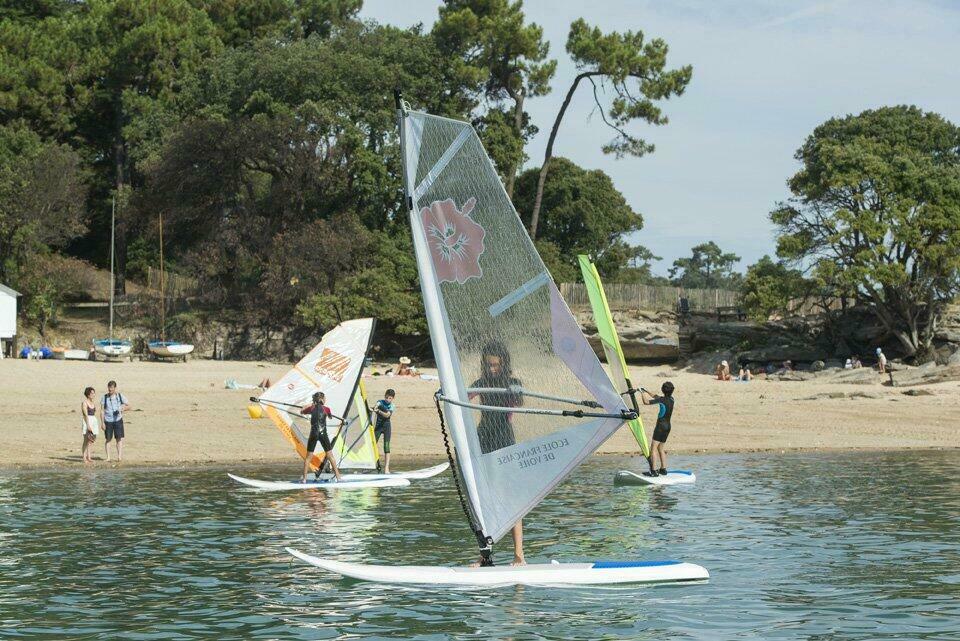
6 290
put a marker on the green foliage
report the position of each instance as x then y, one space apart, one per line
876 211
41 197
47 281
240 21
496 56
635 70
769 287
582 213
709 267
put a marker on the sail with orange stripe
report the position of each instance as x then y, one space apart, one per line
333 367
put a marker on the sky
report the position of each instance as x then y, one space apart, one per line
765 74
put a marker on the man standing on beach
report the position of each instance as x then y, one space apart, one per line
881 361
113 407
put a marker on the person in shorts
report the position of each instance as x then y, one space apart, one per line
662 430
318 413
383 411
113 405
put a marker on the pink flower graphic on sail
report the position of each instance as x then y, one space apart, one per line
455 240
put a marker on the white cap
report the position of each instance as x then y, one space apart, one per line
723 362
879 350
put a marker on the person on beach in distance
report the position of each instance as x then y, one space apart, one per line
881 361
384 410
723 371
113 406
318 413
88 415
495 430
662 430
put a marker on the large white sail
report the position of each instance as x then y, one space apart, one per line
512 360
332 367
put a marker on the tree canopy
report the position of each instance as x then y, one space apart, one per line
264 133
709 267
876 211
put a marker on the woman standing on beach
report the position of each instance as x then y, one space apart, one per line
88 415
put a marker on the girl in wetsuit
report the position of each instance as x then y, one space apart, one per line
88 414
318 413
495 430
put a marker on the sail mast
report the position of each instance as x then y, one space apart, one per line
113 287
163 299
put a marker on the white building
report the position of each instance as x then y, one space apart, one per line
8 319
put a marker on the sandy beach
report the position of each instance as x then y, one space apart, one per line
183 416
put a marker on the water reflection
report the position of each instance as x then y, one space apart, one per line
845 546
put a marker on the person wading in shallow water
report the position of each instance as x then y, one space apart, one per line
662 430
495 430
318 413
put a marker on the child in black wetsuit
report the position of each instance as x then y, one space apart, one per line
662 430
495 430
318 413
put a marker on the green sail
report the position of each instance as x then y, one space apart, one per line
620 375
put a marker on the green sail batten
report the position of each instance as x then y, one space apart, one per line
603 319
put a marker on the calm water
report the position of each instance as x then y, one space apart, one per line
855 546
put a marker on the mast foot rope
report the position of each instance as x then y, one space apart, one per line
485 543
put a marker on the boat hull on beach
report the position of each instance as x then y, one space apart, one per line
545 574
169 349
112 348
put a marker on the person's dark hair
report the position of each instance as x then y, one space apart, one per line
86 392
390 392
667 388
111 384
498 349
319 397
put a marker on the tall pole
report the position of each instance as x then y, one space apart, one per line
163 300
113 285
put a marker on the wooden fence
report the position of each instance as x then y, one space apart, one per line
634 296
175 285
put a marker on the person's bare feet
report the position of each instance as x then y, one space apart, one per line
519 560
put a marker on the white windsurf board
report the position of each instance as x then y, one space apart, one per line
675 477
323 484
560 574
422 473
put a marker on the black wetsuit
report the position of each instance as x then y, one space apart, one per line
495 430
662 430
318 427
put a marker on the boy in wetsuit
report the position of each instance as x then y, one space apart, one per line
384 410
662 430
318 413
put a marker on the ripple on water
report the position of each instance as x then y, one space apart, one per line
840 546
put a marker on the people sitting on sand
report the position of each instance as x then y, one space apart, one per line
723 371
848 364
787 366
856 362
405 368
745 375
264 383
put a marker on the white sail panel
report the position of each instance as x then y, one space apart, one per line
333 367
502 335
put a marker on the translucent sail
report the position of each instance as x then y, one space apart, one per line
488 297
356 448
610 341
332 367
